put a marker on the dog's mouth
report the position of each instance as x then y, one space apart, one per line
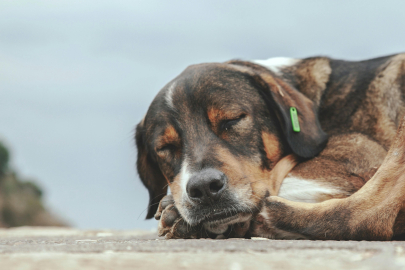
221 217
221 213
219 223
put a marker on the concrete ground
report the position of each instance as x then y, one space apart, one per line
61 248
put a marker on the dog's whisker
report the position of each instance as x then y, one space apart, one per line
164 193
147 209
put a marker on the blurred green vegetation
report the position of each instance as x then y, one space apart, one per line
4 157
21 200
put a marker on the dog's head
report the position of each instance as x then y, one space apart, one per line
215 132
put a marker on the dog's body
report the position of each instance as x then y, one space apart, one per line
220 135
359 107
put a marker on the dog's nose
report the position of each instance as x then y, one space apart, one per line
206 186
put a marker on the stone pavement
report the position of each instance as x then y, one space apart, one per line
61 248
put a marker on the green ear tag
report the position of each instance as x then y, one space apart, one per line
294 119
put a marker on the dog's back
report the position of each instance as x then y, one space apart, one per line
365 97
360 108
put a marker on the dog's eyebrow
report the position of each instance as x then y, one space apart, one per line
222 113
217 114
169 135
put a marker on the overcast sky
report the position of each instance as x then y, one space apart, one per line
77 76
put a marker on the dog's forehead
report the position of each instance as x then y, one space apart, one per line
202 85
199 86
186 101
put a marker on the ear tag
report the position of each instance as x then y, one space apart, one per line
294 119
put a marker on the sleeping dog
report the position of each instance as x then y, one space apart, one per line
227 138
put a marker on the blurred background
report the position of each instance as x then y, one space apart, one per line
77 76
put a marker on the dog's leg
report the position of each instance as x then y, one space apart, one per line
375 212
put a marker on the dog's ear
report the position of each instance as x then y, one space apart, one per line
311 139
149 172
281 96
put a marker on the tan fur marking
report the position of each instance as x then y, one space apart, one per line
216 115
232 166
245 177
242 172
280 171
271 146
170 135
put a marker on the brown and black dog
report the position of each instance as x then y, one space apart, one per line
220 136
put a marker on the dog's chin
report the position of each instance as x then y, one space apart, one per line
220 226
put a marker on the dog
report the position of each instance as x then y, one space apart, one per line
273 148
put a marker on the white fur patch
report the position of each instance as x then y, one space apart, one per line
301 190
185 176
276 63
264 213
169 95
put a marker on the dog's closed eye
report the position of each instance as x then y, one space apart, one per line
229 123
166 148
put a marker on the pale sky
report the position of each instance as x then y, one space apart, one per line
77 76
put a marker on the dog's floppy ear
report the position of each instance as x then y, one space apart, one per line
311 139
281 96
149 172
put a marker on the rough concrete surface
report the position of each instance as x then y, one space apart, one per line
60 248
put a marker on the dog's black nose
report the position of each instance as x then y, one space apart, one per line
206 186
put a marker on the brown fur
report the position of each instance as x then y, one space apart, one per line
272 147
358 104
347 162
375 212
279 172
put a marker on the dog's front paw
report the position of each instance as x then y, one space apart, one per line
171 224
272 215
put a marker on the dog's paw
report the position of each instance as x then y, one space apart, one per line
171 224
266 222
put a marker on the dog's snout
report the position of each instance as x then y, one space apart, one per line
206 186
